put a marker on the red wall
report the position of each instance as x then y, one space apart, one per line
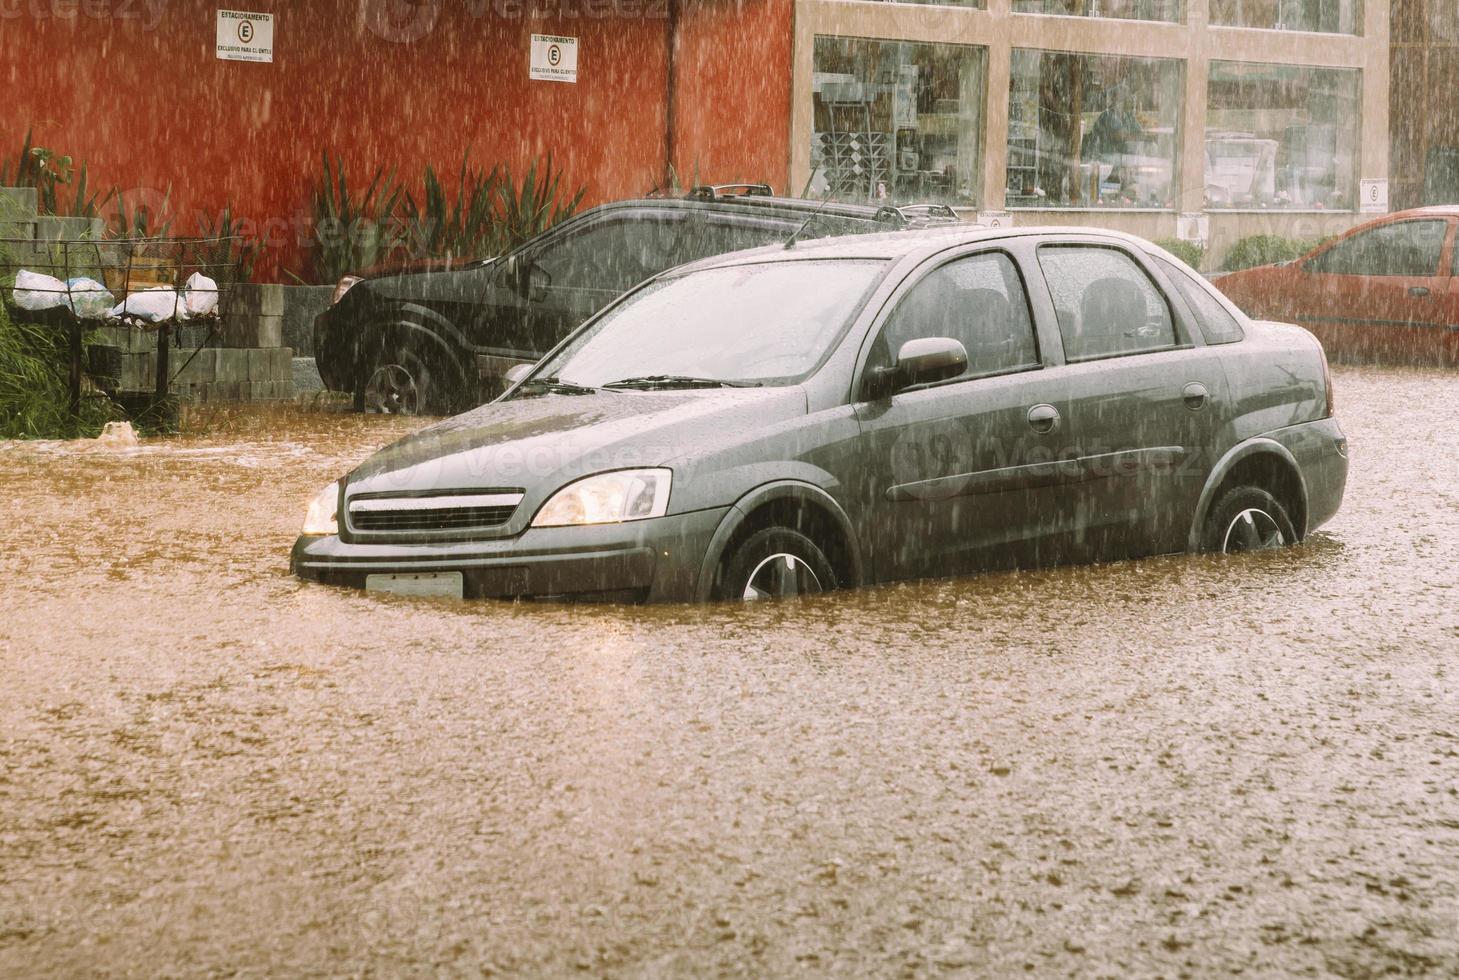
732 102
141 97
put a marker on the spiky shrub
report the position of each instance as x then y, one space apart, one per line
464 228
534 205
235 250
353 231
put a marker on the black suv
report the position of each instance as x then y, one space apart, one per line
440 341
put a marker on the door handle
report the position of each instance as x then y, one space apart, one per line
1194 395
1418 290
1043 419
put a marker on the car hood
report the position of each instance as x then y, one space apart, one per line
537 444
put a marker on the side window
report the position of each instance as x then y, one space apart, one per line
1404 248
1106 303
1217 324
980 302
616 254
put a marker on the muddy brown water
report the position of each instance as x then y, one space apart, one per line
1180 766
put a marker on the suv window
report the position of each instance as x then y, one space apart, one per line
1403 248
1107 305
1217 324
978 300
617 253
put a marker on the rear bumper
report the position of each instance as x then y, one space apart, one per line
655 560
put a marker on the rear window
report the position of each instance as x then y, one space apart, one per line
1107 305
1216 323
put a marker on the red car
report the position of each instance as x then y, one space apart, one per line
1387 290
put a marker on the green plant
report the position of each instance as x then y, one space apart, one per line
530 208
46 171
35 401
142 223
240 249
1257 250
463 228
1188 252
353 232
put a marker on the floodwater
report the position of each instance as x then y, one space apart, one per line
1181 766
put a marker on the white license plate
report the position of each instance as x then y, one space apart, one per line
418 583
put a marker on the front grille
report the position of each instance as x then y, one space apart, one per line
455 512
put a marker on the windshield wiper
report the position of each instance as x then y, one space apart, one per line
558 386
678 381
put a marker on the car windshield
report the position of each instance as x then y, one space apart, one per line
763 324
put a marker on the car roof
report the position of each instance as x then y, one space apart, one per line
913 243
1432 210
752 204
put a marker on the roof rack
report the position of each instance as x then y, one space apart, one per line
917 215
713 192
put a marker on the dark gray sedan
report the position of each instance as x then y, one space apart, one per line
850 411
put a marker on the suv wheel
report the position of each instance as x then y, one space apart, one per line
776 562
403 379
1247 519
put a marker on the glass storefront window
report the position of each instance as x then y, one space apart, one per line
1281 136
1166 10
896 121
1092 130
1324 16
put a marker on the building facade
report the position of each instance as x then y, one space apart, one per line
1203 119
1211 119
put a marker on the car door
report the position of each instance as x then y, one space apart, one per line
1380 292
966 473
1147 399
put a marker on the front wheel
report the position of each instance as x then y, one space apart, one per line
406 379
1247 519
776 562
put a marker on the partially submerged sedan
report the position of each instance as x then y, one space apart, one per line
850 411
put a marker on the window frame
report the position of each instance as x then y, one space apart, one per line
1310 264
1169 276
920 275
1179 328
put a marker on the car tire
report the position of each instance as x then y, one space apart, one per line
399 377
775 562
1247 518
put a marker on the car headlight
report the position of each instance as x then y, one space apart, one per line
323 514
608 498
342 287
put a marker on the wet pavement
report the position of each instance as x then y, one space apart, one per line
1181 766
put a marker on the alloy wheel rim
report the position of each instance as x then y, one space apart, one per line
781 575
392 390
1252 530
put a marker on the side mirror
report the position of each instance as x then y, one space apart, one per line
516 373
919 362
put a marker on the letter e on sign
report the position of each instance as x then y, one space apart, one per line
554 59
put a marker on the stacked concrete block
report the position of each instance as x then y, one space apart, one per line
17 212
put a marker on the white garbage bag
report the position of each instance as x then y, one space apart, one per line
200 296
151 306
37 291
90 300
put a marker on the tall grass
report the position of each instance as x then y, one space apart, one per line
35 399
